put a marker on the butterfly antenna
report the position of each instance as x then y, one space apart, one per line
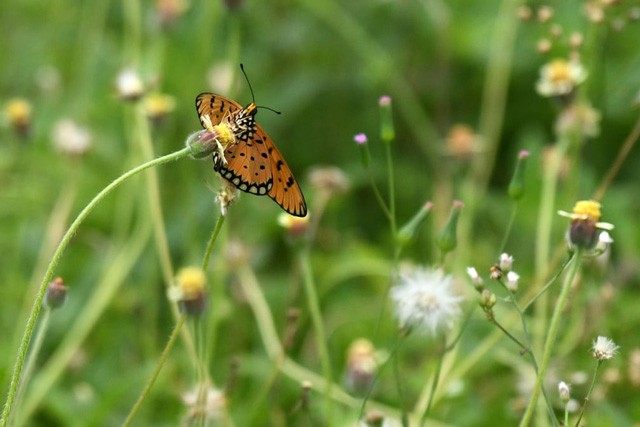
253 98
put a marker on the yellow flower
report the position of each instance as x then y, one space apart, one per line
157 105
191 282
585 227
18 113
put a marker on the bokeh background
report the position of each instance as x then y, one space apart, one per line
456 70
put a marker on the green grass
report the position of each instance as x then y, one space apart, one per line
324 64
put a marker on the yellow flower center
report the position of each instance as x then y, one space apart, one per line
224 134
559 71
588 208
18 110
191 282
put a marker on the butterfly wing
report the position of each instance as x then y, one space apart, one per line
257 167
217 107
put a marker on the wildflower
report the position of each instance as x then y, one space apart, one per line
604 348
18 114
580 117
585 229
209 404
424 299
129 85
513 279
189 290
70 138
575 40
556 30
477 281
220 77
168 11
560 78
329 179
447 240
360 138
545 13
594 11
56 294
295 225
565 393
462 141
544 45
524 13
361 365
157 106
506 262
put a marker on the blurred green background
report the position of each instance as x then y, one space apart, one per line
324 65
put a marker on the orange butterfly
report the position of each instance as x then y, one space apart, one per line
252 163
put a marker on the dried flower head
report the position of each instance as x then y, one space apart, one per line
209 404
424 299
70 138
604 348
560 77
579 117
227 195
329 179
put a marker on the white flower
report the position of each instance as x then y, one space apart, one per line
71 139
560 77
604 348
506 262
424 299
129 84
513 279
563 390
474 276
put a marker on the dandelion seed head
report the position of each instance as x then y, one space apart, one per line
424 299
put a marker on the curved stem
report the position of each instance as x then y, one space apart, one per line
212 240
35 311
163 358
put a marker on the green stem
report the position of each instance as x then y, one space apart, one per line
507 232
436 380
551 337
316 319
586 399
33 355
163 359
212 240
35 311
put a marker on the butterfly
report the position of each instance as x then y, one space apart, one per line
251 161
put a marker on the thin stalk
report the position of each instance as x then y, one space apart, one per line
434 383
35 311
316 319
551 337
507 232
154 376
212 240
586 399
33 355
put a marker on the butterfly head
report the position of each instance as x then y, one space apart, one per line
250 110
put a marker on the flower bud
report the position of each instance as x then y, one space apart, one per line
565 393
409 230
56 294
447 241
487 299
361 140
516 186
387 131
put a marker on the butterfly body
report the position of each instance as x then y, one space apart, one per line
250 160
